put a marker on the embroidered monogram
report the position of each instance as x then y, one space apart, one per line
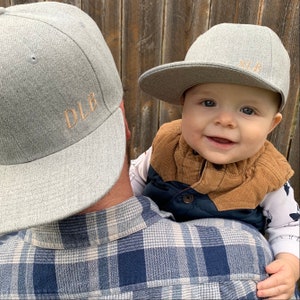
250 66
72 115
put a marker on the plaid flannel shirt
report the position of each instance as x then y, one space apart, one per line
133 251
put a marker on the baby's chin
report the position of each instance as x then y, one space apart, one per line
223 161
219 158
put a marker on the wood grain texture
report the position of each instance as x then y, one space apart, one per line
184 21
294 156
141 49
282 17
5 3
108 16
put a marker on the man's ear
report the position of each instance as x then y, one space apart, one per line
276 120
182 99
127 130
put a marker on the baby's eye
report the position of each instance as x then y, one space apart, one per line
248 111
208 103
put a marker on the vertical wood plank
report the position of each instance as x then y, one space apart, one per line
247 12
282 17
294 158
5 3
184 21
16 2
141 49
108 16
232 11
72 2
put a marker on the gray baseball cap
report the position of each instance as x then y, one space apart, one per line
62 134
243 54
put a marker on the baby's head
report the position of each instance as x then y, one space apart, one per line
233 71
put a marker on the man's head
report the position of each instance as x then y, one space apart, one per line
242 54
62 137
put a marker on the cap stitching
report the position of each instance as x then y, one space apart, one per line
56 28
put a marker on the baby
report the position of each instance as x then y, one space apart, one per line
216 161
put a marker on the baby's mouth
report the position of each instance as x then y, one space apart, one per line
220 140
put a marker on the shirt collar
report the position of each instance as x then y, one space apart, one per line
95 228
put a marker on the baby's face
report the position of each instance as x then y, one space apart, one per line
226 123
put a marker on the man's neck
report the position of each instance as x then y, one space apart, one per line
119 193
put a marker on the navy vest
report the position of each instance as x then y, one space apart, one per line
187 204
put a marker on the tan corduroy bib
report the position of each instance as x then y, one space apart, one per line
237 185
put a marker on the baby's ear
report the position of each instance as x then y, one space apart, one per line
276 120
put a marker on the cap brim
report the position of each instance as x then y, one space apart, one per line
169 81
65 182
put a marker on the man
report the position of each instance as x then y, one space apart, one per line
64 183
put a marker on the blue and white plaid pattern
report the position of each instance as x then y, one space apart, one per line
133 251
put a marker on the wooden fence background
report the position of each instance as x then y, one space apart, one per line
146 33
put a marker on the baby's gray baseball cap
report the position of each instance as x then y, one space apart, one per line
62 134
243 54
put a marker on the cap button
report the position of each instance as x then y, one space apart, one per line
2 10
